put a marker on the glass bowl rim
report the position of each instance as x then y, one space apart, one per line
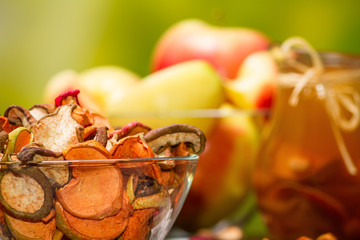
191 158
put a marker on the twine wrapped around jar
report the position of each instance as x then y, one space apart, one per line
336 100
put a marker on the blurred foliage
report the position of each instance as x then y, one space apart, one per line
40 38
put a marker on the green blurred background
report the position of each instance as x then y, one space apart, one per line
40 38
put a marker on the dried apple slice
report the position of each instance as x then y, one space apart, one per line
139 225
26 192
58 130
93 193
30 230
89 194
84 229
91 149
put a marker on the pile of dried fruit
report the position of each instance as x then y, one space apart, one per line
81 199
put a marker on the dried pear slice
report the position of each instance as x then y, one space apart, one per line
130 129
26 192
84 229
139 225
58 130
31 230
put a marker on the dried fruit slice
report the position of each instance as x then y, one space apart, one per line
5 125
3 139
18 138
93 193
58 130
130 129
40 110
26 192
84 229
139 224
30 230
159 139
91 149
68 97
58 175
160 199
19 116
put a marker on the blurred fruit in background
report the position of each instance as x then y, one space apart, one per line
224 48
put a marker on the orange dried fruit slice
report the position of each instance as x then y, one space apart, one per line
91 149
22 229
94 192
134 147
26 192
5 125
105 229
139 225
58 130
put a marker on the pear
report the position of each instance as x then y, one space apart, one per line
167 95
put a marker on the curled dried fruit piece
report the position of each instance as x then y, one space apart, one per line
58 175
135 147
172 135
26 192
68 97
5 125
40 110
58 130
130 129
19 116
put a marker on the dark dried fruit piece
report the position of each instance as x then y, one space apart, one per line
161 138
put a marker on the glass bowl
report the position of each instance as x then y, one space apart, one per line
93 199
222 186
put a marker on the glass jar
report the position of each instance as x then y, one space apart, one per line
307 175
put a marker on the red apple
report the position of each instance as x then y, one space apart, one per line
224 47
254 87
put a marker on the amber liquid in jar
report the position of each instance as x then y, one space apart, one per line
302 184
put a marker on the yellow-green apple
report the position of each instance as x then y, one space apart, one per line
223 175
94 84
254 87
223 47
184 86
